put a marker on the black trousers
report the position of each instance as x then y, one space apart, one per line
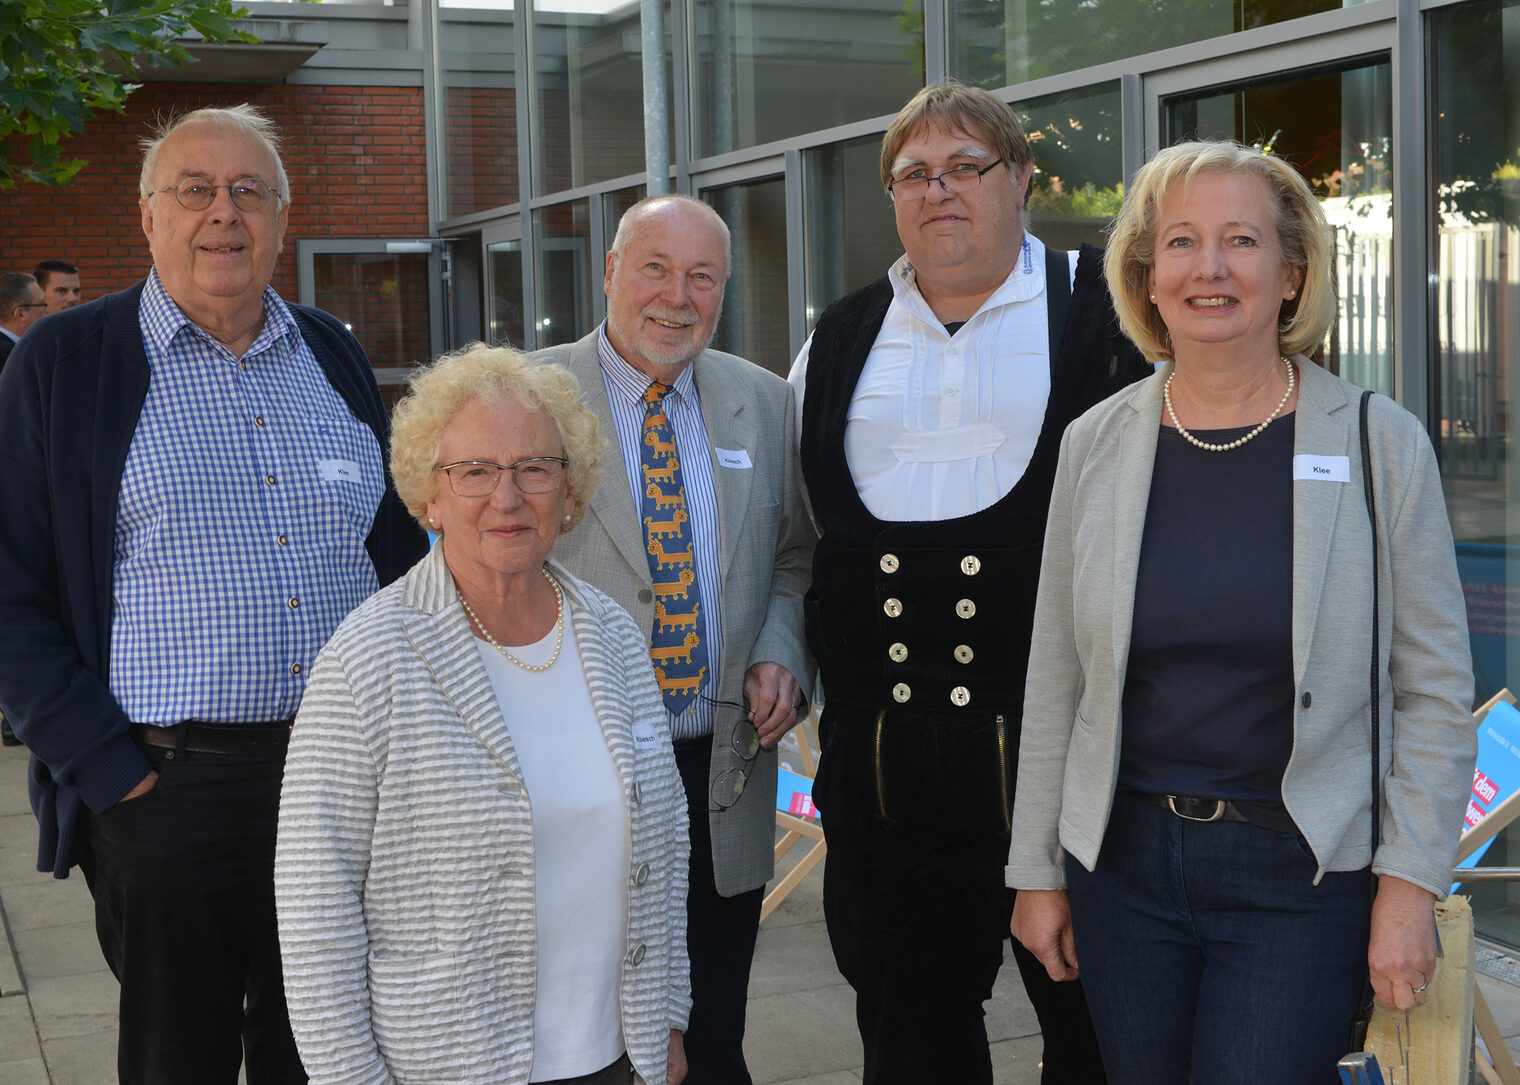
915 903
720 938
183 880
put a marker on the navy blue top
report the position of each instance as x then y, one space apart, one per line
1208 694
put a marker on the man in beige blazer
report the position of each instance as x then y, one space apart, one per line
734 428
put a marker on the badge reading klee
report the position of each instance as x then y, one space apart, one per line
1322 468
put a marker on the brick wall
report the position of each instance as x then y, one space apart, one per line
356 158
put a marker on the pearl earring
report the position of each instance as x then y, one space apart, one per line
432 522
567 519
1153 299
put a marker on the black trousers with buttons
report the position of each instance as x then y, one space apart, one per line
914 808
183 880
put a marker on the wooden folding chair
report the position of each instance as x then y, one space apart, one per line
797 828
1498 1068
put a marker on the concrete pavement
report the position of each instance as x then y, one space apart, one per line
58 1000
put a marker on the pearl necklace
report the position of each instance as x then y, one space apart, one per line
559 628
1166 395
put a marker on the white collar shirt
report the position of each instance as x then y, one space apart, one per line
943 425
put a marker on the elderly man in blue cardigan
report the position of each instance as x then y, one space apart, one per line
193 493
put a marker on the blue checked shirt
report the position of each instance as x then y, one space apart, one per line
625 392
248 492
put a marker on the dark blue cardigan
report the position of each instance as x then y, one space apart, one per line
70 397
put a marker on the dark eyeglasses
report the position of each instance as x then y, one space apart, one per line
198 193
744 739
956 179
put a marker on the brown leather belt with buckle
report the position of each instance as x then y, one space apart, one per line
223 738
1190 809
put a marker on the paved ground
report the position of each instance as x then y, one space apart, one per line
58 1001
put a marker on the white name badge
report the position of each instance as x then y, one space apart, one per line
341 471
1322 468
644 735
736 458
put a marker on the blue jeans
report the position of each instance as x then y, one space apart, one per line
1209 956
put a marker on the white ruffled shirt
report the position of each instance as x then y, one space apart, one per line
942 425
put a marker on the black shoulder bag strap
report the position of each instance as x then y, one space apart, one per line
1377 758
1057 300
1358 1039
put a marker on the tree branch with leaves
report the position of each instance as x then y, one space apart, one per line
62 61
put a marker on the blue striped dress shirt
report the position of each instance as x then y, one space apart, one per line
625 393
245 501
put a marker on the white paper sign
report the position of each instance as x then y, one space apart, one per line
736 458
1322 468
341 471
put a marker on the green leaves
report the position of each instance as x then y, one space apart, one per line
63 60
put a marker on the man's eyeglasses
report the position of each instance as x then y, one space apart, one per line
956 179
477 478
198 193
744 740
32 305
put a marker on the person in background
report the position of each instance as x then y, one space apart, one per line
21 306
702 536
931 405
193 493
482 847
1192 821
59 280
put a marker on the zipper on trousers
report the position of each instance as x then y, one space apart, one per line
1002 744
881 784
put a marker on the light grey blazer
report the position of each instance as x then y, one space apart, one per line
404 870
766 554
1069 755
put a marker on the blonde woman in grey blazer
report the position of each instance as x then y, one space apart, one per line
1208 581
481 866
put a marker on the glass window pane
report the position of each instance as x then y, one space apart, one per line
1475 118
754 323
505 288
384 298
997 43
565 273
614 204
477 100
1077 140
1336 127
589 92
767 72
851 234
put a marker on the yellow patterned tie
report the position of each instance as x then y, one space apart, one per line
677 648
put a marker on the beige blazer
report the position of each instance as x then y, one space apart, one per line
1069 756
766 555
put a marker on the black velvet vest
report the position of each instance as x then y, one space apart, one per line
935 616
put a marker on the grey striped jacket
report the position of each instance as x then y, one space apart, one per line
404 869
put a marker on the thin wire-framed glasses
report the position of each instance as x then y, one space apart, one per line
198 193
477 478
744 739
956 179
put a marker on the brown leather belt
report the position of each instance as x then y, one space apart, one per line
1190 809
222 738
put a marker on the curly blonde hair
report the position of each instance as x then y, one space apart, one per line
1302 233
481 374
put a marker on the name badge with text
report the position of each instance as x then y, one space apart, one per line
644 735
341 471
736 458
1322 468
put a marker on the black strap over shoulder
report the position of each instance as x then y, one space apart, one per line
1376 736
1057 297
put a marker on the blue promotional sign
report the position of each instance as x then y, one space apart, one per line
1496 776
